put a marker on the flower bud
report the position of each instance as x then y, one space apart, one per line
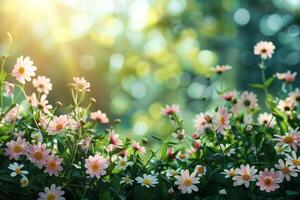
196 136
197 144
145 141
59 104
117 121
92 100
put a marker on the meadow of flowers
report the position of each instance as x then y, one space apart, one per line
237 151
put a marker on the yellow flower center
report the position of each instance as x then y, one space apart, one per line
245 177
24 182
21 70
59 127
268 181
18 171
187 182
200 170
285 170
95 167
296 162
174 173
232 173
38 155
280 149
17 149
52 165
222 120
288 139
123 163
51 196
146 181
182 156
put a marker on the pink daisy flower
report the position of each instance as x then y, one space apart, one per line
9 88
266 120
169 110
222 119
268 180
186 182
16 148
52 193
295 96
23 69
42 84
291 138
32 99
44 121
138 147
75 125
96 166
53 165
38 154
229 96
99 116
81 85
264 49
41 104
286 106
114 141
201 123
219 69
58 124
13 114
85 144
245 175
248 100
287 77
286 170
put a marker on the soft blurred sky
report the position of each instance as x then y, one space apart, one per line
142 54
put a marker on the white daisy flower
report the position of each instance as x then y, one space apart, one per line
182 156
200 170
123 163
226 150
230 173
147 180
293 159
245 175
282 150
24 181
126 180
172 172
17 169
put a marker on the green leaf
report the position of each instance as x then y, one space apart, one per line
164 150
157 138
269 152
269 81
292 193
257 85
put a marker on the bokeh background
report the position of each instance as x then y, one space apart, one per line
142 54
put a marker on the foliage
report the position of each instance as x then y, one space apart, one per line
81 152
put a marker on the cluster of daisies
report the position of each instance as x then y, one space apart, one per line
268 179
119 156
